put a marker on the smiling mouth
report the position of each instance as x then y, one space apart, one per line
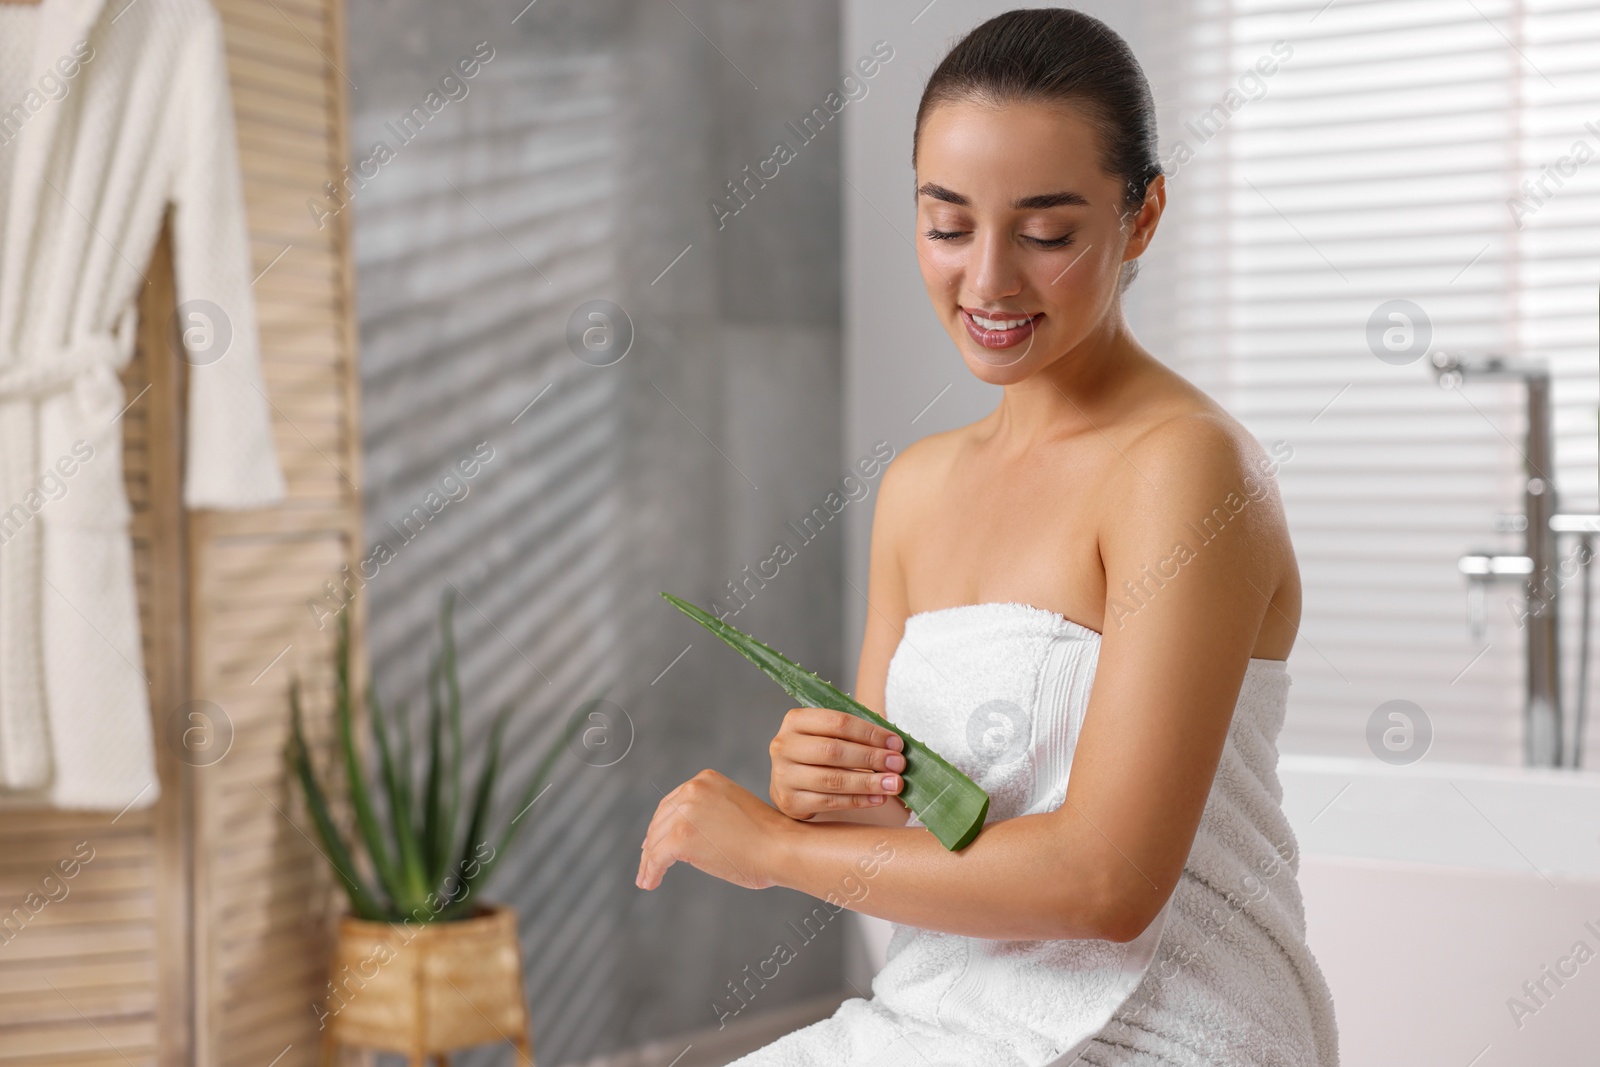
999 321
1000 332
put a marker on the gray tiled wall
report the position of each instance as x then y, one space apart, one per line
582 162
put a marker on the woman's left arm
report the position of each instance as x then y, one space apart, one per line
1191 548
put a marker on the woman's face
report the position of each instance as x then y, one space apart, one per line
1020 233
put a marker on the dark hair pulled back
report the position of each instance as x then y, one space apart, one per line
1052 54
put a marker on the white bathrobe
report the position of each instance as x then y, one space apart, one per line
145 121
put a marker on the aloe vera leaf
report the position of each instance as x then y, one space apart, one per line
363 901
445 843
435 779
406 843
360 797
480 816
403 769
485 791
950 804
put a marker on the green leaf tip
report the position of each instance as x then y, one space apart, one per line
950 804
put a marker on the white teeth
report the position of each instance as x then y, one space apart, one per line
999 324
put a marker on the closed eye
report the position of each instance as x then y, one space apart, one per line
1042 242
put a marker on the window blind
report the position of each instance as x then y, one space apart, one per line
1326 160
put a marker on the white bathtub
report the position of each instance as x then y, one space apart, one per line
1433 893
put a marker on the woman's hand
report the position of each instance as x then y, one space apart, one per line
831 761
713 823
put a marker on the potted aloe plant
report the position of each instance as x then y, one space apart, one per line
421 964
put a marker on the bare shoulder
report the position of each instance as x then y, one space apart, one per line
926 456
1197 470
1201 449
916 472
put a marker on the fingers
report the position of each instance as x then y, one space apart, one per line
826 722
653 863
651 869
657 852
833 781
815 803
820 750
660 848
811 790
830 752
644 876
645 879
828 760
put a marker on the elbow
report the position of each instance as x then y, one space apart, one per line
1119 916
1127 909
1125 923
1099 895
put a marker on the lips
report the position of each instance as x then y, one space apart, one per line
999 338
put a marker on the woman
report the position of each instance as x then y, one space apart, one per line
1101 568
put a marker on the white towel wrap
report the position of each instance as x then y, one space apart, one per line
1222 976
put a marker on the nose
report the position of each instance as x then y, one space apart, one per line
992 272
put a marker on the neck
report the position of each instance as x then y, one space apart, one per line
1073 393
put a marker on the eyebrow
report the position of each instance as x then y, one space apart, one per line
1026 203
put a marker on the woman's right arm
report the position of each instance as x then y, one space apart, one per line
830 766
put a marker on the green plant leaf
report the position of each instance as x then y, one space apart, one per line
404 770
363 901
422 821
950 804
478 825
433 790
445 842
355 773
406 842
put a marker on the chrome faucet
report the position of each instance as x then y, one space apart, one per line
1543 718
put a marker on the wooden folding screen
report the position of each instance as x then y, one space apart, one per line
258 879
197 932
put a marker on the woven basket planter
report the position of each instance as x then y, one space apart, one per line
427 989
